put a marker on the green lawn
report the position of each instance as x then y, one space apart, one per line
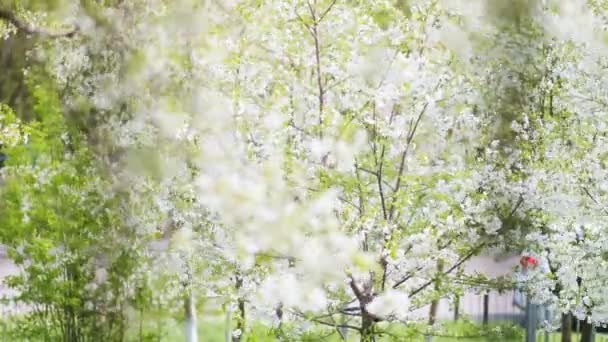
157 329
214 331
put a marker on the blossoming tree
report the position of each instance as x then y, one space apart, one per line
329 161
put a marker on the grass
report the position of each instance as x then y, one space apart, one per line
160 328
213 330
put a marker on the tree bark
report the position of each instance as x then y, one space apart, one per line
367 328
567 327
365 296
435 302
586 331
240 319
457 307
228 322
486 308
433 312
190 311
240 324
432 317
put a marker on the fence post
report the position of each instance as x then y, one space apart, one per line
531 317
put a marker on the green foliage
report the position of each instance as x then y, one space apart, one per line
57 218
494 332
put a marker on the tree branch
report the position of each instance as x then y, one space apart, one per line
355 288
410 137
412 273
322 322
407 277
379 181
594 200
455 266
31 29
327 10
347 326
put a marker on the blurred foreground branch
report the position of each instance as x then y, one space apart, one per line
31 29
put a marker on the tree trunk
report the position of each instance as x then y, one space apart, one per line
456 307
567 327
586 331
367 328
190 313
486 308
228 322
433 312
432 318
240 319
435 302
240 323
365 296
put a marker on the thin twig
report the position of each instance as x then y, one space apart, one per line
322 16
455 266
410 137
379 180
354 205
322 322
594 200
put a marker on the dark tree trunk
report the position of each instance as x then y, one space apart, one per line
365 295
456 308
567 327
240 320
586 331
240 323
367 328
433 312
435 302
486 308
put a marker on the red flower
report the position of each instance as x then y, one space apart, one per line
528 262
